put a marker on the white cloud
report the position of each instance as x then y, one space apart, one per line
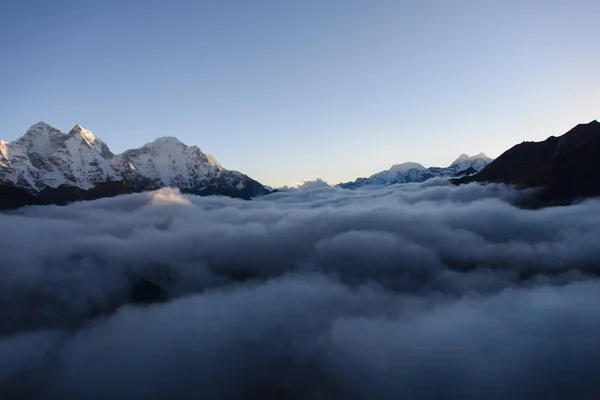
420 290
316 183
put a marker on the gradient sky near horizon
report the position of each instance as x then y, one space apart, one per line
287 90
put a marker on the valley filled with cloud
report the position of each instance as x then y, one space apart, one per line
412 291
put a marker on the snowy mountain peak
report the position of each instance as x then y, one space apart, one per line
166 140
167 161
41 127
466 159
78 129
463 157
45 157
40 139
406 167
89 138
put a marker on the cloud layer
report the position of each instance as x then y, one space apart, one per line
412 291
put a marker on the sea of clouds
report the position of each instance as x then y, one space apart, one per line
414 291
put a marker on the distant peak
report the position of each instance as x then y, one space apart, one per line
38 132
465 157
166 140
406 166
461 158
41 124
41 127
77 129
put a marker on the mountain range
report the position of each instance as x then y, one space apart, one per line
413 172
47 166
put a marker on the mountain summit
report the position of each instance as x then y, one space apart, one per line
466 158
44 159
477 162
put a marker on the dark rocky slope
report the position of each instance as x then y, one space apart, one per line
565 168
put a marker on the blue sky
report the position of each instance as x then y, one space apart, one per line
286 90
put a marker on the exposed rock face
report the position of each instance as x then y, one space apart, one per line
51 167
467 172
566 168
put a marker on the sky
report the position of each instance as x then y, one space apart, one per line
288 90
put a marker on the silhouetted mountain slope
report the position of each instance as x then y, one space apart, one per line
566 168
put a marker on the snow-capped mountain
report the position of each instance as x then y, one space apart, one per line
46 158
477 162
168 162
414 172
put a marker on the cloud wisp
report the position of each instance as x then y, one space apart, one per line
419 290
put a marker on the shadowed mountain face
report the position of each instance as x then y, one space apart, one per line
12 197
15 197
566 168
